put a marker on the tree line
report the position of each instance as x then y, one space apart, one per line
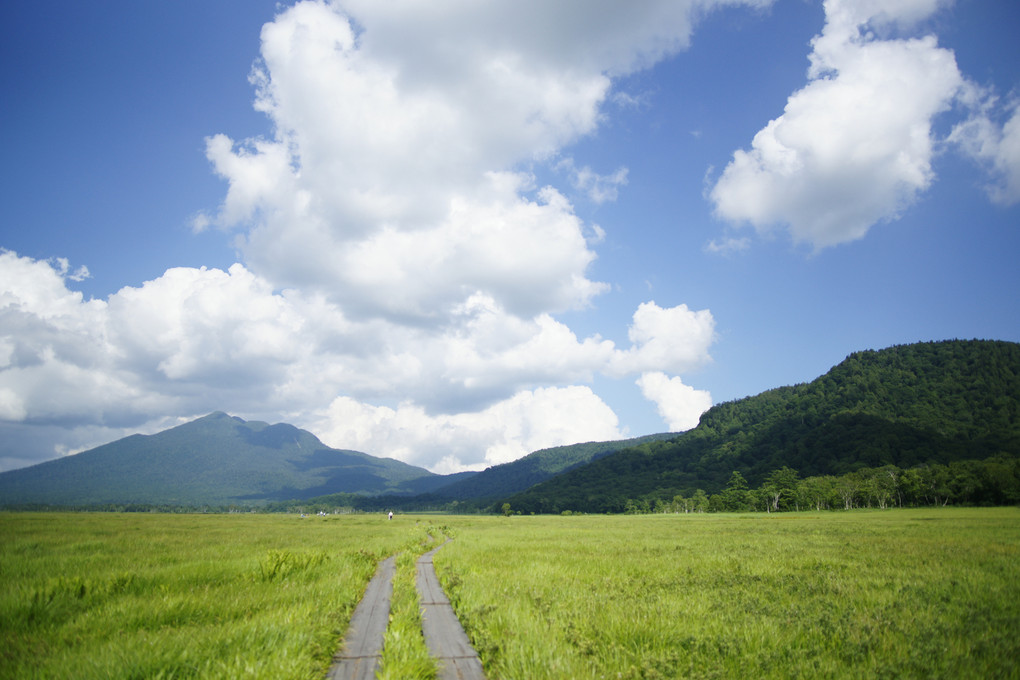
992 481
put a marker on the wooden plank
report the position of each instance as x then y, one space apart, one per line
359 657
444 636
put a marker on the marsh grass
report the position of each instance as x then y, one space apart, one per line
912 593
172 596
905 593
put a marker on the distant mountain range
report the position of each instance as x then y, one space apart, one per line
221 460
903 406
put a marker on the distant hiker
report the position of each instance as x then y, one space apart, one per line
391 514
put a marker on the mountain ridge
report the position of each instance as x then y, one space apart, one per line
905 405
217 459
537 467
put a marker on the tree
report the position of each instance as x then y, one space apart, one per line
735 495
780 488
760 499
679 504
636 507
715 503
935 478
848 487
911 486
883 485
699 501
506 509
892 477
817 491
964 480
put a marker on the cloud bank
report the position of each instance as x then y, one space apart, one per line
484 388
402 271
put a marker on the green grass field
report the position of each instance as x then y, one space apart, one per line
892 594
904 593
183 596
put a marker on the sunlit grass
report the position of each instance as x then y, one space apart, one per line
931 593
160 596
910 593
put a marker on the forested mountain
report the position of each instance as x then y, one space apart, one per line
215 460
904 406
538 466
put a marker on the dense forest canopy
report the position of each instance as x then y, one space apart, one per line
907 407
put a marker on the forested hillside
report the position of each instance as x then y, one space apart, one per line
905 406
521 474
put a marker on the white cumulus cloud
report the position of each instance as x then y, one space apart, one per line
505 431
391 180
403 277
679 405
675 339
483 388
853 147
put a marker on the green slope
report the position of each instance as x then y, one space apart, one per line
906 405
215 460
538 466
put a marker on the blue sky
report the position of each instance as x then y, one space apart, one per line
455 233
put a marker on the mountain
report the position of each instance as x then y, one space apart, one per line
215 460
538 466
904 406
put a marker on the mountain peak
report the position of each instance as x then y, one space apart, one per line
220 415
217 459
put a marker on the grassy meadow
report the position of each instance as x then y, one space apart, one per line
184 596
896 593
883 594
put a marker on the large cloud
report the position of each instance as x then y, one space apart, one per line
402 272
390 181
528 421
485 387
853 147
674 339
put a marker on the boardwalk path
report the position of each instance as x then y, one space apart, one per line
446 640
359 657
444 635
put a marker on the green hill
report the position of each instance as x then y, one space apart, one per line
904 406
538 466
215 460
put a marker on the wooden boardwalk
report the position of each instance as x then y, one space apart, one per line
445 638
359 657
